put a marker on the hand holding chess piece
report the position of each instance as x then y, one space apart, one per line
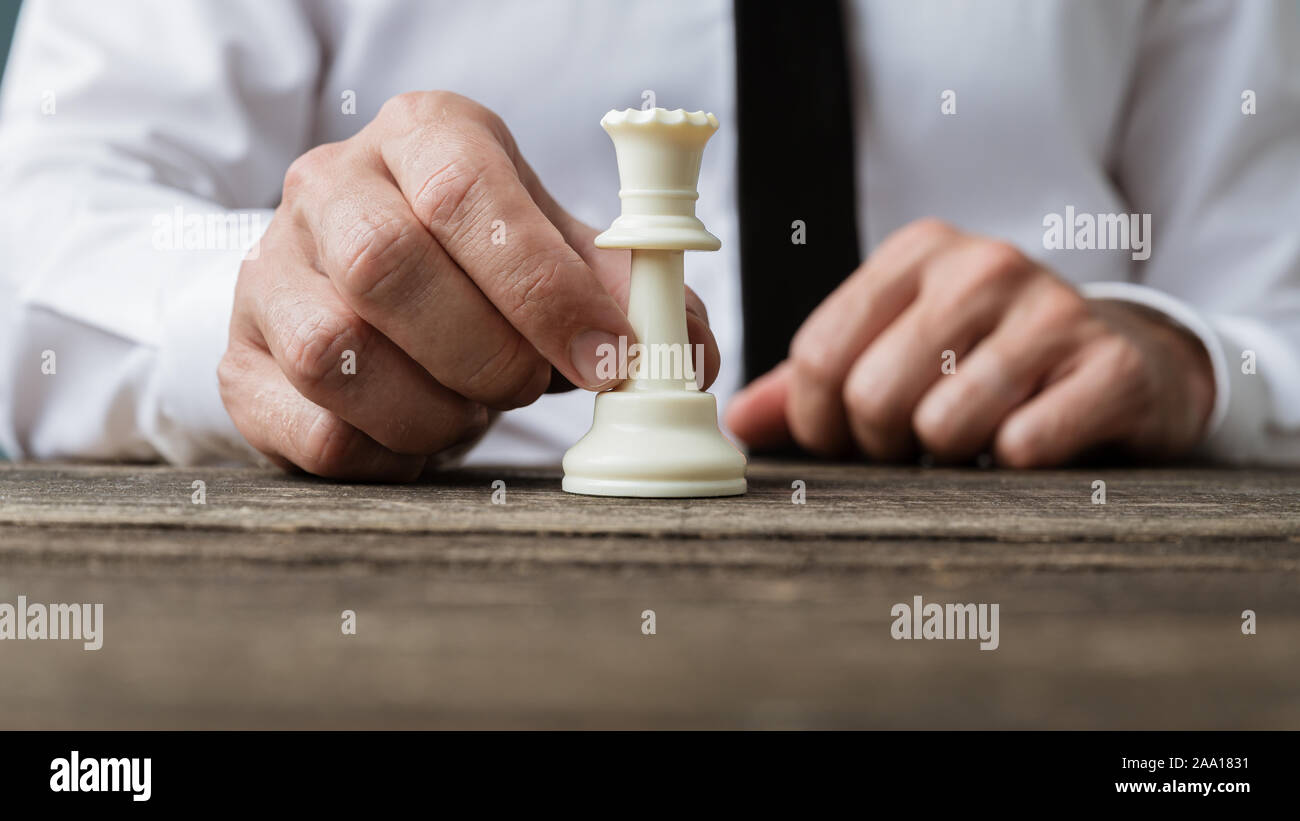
446 319
656 434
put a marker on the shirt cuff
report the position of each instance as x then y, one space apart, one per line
195 427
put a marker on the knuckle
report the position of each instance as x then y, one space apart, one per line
536 282
440 110
512 376
449 195
937 430
411 105
1016 453
817 441
327 445
867 406
973 275
307 168
1015 447
1063 307
314 352
422 104
251 272
230 371
996 262
438 105
926 228
1124 360
812 360
374 253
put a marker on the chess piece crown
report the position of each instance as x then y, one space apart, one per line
659 154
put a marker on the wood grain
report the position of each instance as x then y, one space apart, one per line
769 614
843 502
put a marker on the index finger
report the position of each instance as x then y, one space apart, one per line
464 180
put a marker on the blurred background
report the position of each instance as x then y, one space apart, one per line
8 14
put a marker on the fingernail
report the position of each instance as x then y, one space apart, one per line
594 355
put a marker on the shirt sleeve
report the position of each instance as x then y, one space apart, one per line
144 145
1210 147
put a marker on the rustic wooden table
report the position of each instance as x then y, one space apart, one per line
768 613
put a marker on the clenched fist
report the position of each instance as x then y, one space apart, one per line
1038 374
424 252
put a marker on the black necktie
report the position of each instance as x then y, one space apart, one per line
795 163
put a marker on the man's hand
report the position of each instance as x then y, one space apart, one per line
425 252
1041 374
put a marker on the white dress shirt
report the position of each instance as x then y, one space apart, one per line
115 115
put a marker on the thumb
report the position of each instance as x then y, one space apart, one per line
757 414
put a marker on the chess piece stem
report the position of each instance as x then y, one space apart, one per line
656 307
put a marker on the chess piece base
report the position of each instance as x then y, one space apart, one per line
655 444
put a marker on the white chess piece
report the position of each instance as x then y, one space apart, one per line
656 433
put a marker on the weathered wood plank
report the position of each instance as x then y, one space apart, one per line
769 614
843 502
188 646
513 553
